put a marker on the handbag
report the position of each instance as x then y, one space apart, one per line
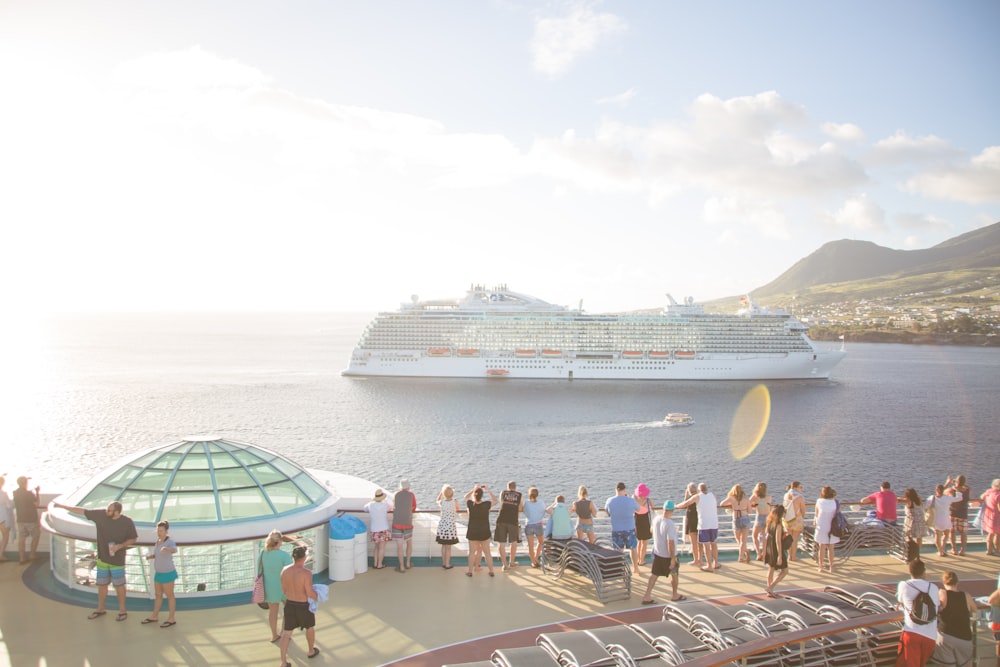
930 514
786 542
257 597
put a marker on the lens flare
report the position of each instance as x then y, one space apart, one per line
750 422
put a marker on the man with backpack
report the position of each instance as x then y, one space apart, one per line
918 598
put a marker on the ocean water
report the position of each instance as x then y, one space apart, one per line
80 392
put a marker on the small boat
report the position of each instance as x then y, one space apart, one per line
439 352
525 353
632 354
678 419
497 372
467 352
551 353
659 354
684 354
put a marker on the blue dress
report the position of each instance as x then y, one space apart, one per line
274 562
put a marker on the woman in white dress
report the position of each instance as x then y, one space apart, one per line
826 509
939 504
447 532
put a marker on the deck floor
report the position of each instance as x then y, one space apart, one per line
426 616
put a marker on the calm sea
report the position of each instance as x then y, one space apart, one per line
81 392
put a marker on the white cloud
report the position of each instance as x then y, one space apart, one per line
764 217
858 214
619 100
922 222
844 132
976 182
901 148
559 41
192 68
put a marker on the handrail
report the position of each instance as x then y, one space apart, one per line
766 644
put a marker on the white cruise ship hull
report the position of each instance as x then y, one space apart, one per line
777 366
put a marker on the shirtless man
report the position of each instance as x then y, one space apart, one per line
296 584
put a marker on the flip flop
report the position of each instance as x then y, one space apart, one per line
167 624
276 639
678 598
649 601
96 614
313 653
150 620
122 616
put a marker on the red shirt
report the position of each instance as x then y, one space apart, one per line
885 504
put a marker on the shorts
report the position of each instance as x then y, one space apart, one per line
760 520
914 649
109 574
507 533
402 532
165 577
741 522
534 530
708 535
28 530
662 566
381 535
958 526
297 615
585 527
995 627
624 539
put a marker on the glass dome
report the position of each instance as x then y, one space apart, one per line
205 480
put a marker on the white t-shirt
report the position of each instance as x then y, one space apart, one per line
906 592
708 511
379 512
664 532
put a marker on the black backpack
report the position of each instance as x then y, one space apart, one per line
924 609
839 525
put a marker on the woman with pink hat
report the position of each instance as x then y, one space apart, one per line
643 524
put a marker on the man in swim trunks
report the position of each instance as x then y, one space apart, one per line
115 534
508 528
296 586
621 508
664 554
403 503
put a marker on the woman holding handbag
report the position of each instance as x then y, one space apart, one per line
272 561
776 549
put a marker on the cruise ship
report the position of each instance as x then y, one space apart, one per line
500 334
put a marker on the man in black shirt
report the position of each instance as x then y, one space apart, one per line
115 534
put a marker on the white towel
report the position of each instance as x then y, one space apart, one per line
322 595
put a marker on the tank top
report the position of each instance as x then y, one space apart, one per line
582 508
510 503
561 528
954 618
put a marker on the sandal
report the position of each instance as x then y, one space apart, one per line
167 624
150 620
313 653
96 614
122 616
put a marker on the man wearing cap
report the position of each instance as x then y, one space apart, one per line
622 508
26 509
378 510
708 524
404 503
115 534
665 561
297 587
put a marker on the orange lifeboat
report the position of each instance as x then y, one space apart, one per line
684 354
551 353
497 372
468 352
632 354
525 353
439 352
658 354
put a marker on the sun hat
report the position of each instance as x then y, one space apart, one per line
404 483
380 494
642 490
668 506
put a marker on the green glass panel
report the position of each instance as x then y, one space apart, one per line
122 477
286 496
180 507
141 505
192 480
146 459
248 457
100 496
195 462
151 480
310 487
243 504
233 478
289 469
266 474
166 462
224 461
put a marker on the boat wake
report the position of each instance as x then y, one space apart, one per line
633 426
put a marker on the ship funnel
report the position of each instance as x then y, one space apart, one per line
414 298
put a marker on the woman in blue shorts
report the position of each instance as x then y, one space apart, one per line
585 510
534 528
164 575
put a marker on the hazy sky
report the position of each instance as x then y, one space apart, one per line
341 156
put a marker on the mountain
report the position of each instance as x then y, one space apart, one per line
848 269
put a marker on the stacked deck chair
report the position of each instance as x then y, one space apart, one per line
884 637
670 637
718 628
842 649
864 596
607 570
626 645
575 648
525 656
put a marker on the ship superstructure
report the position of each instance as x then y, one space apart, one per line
498 333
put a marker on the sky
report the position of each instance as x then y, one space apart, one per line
343 156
